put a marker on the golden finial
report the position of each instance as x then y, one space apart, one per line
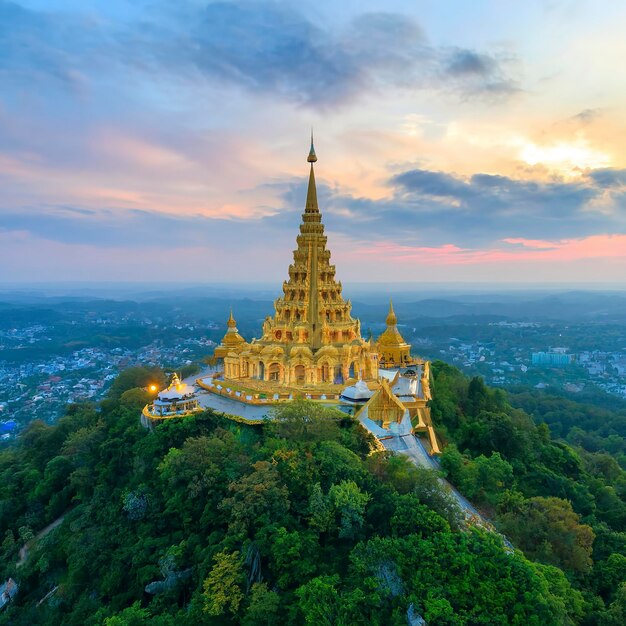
231 320
312 157
392 320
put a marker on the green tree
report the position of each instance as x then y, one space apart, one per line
319 601
136 398
321 514
431 492
133 377
616 614
263 607
132 616
293 556
258 499
222 589
350 502
548 530
410 516
306 421
609 574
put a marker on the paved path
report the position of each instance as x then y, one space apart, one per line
223 404
400 439
25 549
210 400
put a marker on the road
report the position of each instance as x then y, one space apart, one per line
25 549
401 440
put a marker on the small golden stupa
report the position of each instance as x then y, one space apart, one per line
393 351
231 341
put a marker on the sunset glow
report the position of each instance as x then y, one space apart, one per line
156 136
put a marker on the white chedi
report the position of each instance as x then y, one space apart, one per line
359 392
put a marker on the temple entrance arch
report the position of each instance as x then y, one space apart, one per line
299 372
338 375
352 370
325 372
261 370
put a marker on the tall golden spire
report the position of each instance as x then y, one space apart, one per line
312 219
311 194
312 338
312 306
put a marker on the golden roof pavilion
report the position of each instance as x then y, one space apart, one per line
312 338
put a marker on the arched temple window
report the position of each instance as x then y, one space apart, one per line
274 372
299 373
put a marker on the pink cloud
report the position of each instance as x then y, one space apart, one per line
530 243
530 250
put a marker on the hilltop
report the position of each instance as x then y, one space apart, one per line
208 521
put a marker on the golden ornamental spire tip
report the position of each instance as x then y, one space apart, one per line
231 320
312 156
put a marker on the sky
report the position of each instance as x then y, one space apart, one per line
457 141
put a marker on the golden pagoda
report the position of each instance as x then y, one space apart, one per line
232 340
393 351
312 338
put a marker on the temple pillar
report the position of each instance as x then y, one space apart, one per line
284 374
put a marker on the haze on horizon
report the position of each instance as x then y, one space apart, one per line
158 141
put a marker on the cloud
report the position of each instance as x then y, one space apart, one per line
430 208
609 177
37 45
437 184
517 251
141 229
275 49
587 116
262 47
427 209
471 222
467 62
272 49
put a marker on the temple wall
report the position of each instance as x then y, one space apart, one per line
285 370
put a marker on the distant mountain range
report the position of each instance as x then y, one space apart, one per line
250 306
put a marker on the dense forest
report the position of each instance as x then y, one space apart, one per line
301 521
593 421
